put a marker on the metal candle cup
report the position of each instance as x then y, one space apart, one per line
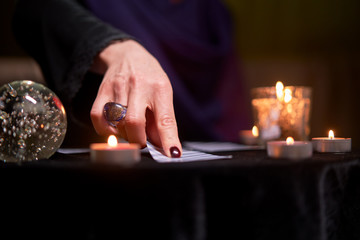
295 151
122 154
249 137
331 144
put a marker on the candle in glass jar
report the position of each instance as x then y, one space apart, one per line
112 152
331 143
290 149
281 111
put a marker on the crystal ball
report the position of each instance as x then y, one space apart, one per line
32 122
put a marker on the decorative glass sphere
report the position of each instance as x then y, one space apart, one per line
32 122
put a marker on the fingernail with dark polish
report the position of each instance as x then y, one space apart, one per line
175 152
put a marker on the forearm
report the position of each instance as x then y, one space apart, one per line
63 37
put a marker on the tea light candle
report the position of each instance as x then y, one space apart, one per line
290 149
331 143
249 137
124 154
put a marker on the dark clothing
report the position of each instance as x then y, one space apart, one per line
192 40
64 38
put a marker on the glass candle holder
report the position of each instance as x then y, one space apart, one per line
280 113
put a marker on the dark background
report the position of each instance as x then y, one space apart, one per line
299 42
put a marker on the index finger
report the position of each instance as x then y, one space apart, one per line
166 125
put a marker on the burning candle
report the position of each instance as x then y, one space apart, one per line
249 137
331 143
281 111
112 152
290 149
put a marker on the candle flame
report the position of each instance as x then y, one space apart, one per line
331 134
289 141
255 131
279 90
112 141
288 95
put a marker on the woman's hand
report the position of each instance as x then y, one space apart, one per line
134 78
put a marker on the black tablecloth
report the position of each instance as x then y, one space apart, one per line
247 197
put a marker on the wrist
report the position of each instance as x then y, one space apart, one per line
106 56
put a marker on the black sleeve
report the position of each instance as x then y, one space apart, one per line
63 37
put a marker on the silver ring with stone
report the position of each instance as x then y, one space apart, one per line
114 113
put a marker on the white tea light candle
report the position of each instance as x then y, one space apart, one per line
249 137
123 154
331 143
290 149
